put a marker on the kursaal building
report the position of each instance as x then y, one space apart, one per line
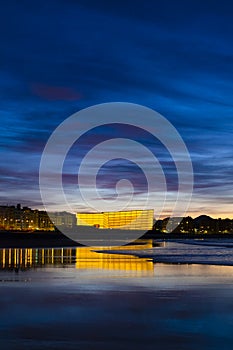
125 220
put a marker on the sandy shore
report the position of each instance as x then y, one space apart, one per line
114 315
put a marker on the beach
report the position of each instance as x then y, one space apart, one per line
84 298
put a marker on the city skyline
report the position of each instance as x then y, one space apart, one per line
17 218
84 54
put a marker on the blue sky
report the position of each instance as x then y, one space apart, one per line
58 57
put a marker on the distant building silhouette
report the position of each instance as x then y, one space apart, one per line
202 224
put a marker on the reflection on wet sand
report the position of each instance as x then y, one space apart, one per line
89 258
24 259
14 259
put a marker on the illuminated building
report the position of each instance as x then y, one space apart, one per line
127 220
62 219
24 219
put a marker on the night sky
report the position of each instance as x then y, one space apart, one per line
176 57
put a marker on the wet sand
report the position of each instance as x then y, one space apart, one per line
208 251
80 299
178 308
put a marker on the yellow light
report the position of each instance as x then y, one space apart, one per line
126 220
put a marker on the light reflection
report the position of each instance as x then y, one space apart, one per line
89 258
15 259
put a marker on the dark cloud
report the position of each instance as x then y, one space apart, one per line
61 56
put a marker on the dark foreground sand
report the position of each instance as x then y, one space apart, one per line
38 317
35 240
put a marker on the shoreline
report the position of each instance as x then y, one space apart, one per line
55 239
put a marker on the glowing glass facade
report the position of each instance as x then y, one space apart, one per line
125 220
